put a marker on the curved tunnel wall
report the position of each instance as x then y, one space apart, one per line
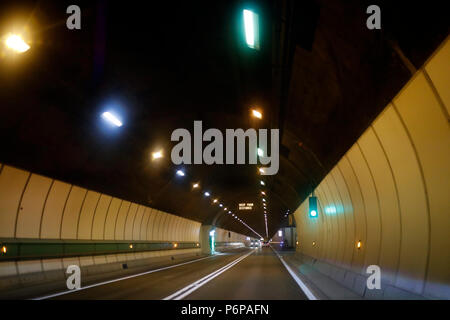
34 207
225 238
391 192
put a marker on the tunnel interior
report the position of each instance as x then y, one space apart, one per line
88 122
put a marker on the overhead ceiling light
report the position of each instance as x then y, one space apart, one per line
251 25
206 194
157 155
262 183
195 185
263 193
220 205
215 201
264 200
180 173
16 43
256 114
108 116
225 209
261 170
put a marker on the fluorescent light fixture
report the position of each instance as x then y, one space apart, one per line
206 194
16 43
108 116
251 25
280 233
180 173
262 183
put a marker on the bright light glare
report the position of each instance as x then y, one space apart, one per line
215 200
195 185
16 43
251 29
157 155
206 194
262 183
180 173
313 213
330 210
261 170
263 193
257 114
280 233
108 116
260 152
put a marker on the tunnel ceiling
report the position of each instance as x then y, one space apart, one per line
320 76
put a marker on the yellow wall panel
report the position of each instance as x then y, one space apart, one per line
98 224
430 135
155 225
12 184
389 208
336 212
154 214
72 212
87 215
53 210
128 234
31 207
438 69
144 224
159 230
414 218
371 206
137 223
120 219
358 213
348 217
111 216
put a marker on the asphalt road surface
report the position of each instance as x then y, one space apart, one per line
253 274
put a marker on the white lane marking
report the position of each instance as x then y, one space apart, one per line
300 283
180 294
119 279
